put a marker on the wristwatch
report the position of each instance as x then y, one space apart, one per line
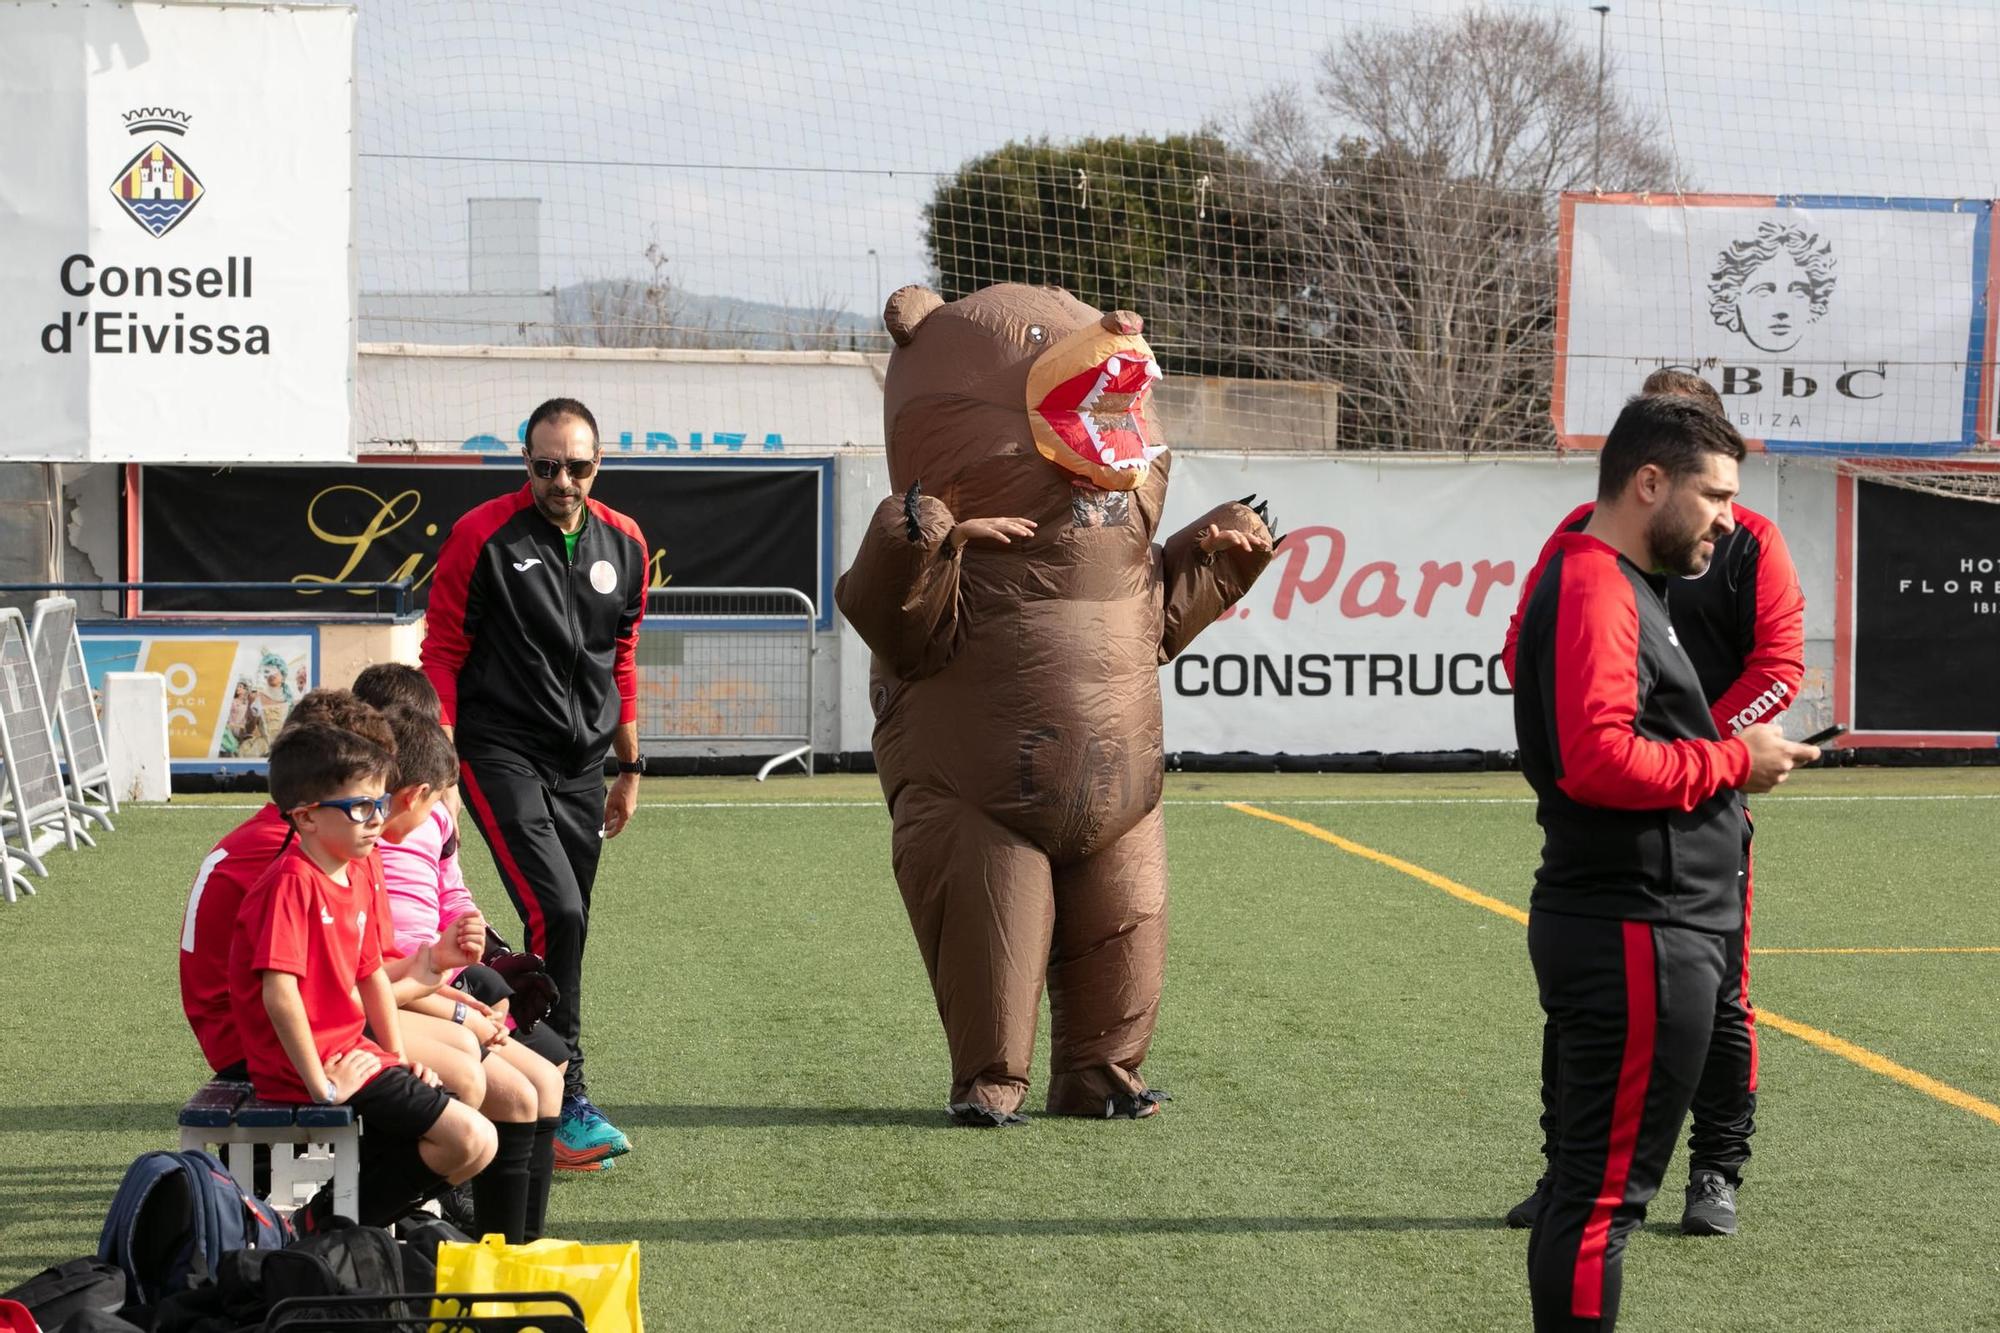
631 766
458 1011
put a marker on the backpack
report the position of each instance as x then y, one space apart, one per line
54 1294
176 1214
348 1261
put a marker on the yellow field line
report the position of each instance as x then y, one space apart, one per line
1880 1064
1826 1041
1899 948
1430 877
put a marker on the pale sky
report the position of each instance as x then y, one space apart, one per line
767 147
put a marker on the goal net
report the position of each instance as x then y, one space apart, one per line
1357 225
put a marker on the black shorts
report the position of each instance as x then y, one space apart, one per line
483 984
236 1073
399 1104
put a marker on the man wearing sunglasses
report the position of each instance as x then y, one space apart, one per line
531 640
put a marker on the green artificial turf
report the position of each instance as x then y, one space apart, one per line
1353 1056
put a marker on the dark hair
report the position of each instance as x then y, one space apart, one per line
386 684
340 708
1667 380
559 407
312 761
1672 432
423 752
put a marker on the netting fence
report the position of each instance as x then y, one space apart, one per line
1343 223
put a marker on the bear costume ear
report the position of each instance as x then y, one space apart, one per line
907 308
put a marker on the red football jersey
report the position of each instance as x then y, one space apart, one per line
298 919
236 863
209 927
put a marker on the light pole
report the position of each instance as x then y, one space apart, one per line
1597 144
878 278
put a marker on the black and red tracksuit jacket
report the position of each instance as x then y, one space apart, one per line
1637 798
532 651
1743 622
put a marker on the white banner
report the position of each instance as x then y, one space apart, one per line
649 402
177 283
1824 323
1379 625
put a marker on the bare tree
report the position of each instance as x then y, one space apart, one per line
1417 199
653 311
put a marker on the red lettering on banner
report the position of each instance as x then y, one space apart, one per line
1437 576
1487 576
1309 566
1297 551
1387 601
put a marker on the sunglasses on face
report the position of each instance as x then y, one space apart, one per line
545 469
358 809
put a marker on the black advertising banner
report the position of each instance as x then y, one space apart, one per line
739 524
1926 581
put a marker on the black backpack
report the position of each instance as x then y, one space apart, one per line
54 1294
350 1261
175 1216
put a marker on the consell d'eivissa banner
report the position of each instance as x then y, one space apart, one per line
133 332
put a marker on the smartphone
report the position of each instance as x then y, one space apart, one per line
1822 737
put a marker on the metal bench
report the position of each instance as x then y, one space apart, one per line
229 1116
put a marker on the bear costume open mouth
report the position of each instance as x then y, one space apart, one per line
1099 413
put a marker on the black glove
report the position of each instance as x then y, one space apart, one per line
534 995
495 946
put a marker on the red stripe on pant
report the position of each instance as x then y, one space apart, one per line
1749 1009
1634 1072
524 893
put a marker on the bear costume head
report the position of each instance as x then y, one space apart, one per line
1015 396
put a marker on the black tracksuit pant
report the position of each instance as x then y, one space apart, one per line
1725 1101
1632 1004
545 839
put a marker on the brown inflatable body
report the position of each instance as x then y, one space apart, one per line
1015 683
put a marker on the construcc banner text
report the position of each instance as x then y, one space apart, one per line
1379 625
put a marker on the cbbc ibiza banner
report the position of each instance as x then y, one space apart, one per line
751 522
1828 324
177 282
1379 624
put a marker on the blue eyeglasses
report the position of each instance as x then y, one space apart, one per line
359 809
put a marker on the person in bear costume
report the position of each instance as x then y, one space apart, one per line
1019 611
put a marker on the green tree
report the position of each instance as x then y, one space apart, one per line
1124 223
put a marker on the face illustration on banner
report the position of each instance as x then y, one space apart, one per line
1772 286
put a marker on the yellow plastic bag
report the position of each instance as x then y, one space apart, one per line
603 1279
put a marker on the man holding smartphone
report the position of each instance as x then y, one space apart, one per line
1644 839
531 640
1742 624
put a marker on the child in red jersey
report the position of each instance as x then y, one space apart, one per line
226 874
307 984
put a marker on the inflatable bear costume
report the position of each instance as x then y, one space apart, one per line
1015 680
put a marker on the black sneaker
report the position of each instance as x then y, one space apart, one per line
455 1206
1135 1105
1523 1214
978 1115
1711 1206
